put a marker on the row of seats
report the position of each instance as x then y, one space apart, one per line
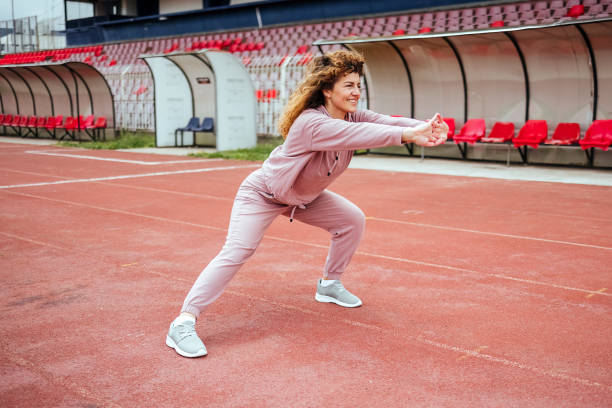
533 133
195 126
33 125
50 55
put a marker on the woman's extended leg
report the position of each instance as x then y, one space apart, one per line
251 216
253 211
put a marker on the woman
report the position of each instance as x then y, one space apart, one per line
322 128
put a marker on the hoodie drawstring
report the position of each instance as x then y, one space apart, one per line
333 166
301 207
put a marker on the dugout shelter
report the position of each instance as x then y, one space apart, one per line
203 84
70 90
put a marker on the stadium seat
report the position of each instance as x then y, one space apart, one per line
599 134
87 122
70 126
190 127
30 127
8 118
531 134
95 128
565 134
451 127
206 126
575 11
15 121
501 132
472 131
40 123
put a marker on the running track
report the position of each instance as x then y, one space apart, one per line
477 292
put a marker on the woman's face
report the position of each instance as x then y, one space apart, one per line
343 97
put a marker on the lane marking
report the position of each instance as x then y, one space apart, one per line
326 247
129 176
497 234
602 290
129 264
144 163
419 338
478 350
157 190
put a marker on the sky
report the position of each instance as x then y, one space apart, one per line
26 8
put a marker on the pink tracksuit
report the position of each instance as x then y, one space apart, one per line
293 182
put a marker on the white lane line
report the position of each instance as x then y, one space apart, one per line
419 338
129 176
326 247
144 163
497 234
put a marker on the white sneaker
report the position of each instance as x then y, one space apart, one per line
184 339
336 293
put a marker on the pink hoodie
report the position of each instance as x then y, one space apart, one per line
319 148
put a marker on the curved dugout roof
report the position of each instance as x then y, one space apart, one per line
69 89
207 83
560 73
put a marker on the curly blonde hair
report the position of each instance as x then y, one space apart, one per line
322 73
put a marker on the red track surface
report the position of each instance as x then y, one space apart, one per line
477 292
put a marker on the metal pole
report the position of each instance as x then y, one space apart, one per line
14 28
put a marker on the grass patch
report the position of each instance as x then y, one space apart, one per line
126 140
257 153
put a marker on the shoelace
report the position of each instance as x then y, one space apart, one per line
185 331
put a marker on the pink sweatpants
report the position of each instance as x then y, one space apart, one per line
253 211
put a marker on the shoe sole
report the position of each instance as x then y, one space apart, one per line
171 343
329 299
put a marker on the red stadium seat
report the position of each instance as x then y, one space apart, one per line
531 134
70 126
15 121
575 11
565 134
30 127
501 132
40 123
451 127
599 134
8 118
471 132
425 30
23 122
96 127
85 124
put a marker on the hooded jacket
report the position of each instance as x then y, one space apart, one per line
318 148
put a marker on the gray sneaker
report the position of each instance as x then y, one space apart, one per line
336 293
184 339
